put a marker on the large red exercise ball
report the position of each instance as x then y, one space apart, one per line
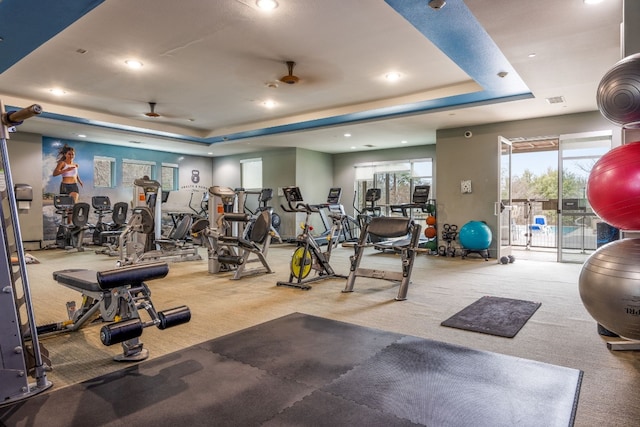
618 94
610 289
613 188
475 236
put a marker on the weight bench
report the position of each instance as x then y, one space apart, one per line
386 228
118 295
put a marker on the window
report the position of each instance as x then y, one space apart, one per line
251 174
396 180
104 172
134 169
169 176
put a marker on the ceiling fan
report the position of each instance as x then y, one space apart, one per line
152 111
290 78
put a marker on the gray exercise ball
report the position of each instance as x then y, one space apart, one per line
610 287
618 94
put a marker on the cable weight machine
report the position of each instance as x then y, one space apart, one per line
21 353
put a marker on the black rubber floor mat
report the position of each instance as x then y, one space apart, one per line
313 350
503 317
437 384
306 370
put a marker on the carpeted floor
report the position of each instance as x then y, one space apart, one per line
560 333
307 370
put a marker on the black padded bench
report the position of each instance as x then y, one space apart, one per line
96 288
387 228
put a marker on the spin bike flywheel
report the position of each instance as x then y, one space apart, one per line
301 262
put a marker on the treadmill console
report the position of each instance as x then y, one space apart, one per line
334 196
421 194
373 194
292 194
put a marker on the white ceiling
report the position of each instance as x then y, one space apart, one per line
208 66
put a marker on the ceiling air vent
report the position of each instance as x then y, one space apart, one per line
555 100
369 145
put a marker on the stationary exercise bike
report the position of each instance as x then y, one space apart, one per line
74 218
308 255
106 233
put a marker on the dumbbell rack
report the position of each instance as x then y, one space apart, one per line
21 354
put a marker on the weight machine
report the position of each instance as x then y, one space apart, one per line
22 356
236 236
142 241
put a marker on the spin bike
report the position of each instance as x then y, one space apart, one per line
308 255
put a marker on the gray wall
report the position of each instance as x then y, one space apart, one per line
310 170
477 159
25 160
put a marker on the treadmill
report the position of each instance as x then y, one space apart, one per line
419 200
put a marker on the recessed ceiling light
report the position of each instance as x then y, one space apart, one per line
353 148
532 55
347 135
209 153
267 4
58 91
403 142
555 100
133 63
269 103
392 76
592 1
81 135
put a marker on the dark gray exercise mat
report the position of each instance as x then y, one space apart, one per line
306 370
503 317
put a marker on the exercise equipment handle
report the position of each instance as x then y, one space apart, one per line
15 118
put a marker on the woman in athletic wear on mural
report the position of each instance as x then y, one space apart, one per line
69 171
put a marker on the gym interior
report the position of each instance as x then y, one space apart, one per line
259 285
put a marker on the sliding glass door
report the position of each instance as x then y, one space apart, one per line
576 230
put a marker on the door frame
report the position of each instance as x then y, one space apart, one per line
503 207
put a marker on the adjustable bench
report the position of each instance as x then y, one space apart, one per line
118 295
387 228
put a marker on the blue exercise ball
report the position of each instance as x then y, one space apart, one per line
475 236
